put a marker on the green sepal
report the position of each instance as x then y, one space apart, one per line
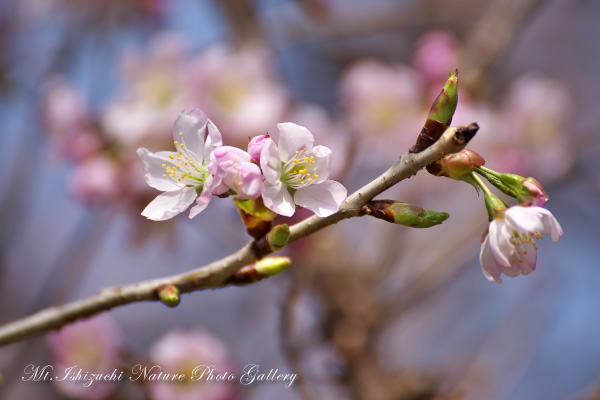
495 205
495 180
256 208
255 216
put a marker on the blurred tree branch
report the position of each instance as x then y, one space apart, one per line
215 275
492 35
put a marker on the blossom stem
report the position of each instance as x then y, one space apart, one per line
481 185
215 275
493 203
493 177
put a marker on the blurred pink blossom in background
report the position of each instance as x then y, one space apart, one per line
180 352
239 90
95 346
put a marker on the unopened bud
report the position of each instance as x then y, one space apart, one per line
457 166
278 237
528 190
255 146
404 213
264 268
256 217
169 295
440 114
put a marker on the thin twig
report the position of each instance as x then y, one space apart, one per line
214 275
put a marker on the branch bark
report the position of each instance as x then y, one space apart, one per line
215 274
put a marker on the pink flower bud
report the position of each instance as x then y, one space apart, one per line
233 170
528 191
459 165
532 193
255 146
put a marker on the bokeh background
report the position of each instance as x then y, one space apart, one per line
368 310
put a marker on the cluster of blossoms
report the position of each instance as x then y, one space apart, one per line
283 169
509 245
236 87
523 129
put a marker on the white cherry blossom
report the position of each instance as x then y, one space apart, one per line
296 173
509 248
182 175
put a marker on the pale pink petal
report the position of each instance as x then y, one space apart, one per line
551 225
229 155
213 139
491 268
270 162
526 219
277 198
154 171
499 242
168 204
322 163
522 264
190 129
323 199
293 138
529 257
202 200
251 180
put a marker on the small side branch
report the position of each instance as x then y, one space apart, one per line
215 274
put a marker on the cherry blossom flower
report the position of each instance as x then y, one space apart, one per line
509 247
94 346
94 181
239 90
155 87
296 173
182 175
436 53
233 170
68 122
382 103
536 111
197 354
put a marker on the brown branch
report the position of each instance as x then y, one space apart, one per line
214 275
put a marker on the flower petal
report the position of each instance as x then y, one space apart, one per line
168 204
213 139
251 180
277 198
499 238
189 129
154 171
323 199
270 162
535 219
322 163
551 225
525 219
293 138
490 266
227 155
201 201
